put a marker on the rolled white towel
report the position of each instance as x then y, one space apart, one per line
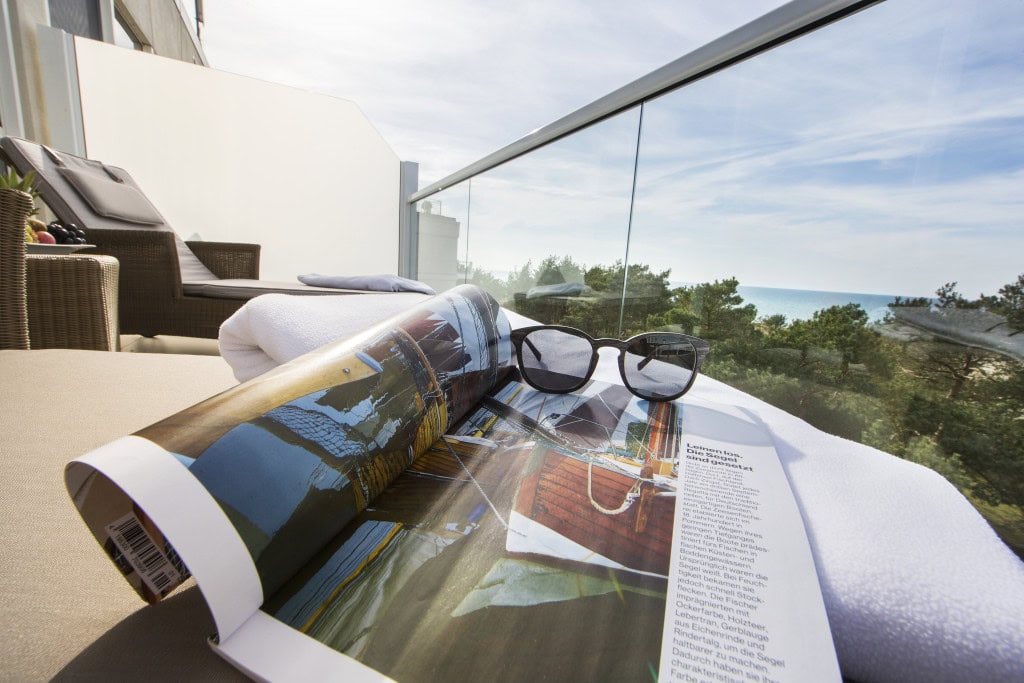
275 328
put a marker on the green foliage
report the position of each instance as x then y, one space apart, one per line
844 329
773 328
913 302
1010 304
481 278
721 311
956 409
713 310
555 270
946 297
12 181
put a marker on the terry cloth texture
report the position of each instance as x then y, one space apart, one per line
275 328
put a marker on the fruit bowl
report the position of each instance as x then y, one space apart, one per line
37 248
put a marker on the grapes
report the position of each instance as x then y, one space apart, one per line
66 234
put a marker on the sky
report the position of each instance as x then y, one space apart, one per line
889 158
450 81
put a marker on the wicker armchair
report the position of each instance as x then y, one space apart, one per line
52 301
14 210
72 302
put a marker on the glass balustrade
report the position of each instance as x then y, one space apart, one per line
842 216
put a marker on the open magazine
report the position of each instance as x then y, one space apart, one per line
401 505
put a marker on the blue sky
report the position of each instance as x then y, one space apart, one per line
888 159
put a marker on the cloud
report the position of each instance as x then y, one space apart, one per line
450 81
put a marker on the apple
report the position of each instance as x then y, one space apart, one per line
44 237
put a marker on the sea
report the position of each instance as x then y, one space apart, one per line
800 304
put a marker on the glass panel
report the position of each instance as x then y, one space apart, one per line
550 226
443 236
78 17
879 156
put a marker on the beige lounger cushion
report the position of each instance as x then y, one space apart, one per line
65 612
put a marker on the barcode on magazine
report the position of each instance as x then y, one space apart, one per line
144 555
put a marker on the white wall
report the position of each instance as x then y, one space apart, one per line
240 160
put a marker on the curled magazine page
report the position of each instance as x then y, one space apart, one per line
151 484
289 458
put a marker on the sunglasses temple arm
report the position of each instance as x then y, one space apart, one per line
526 340
701 353
647 359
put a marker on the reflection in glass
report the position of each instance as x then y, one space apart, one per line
541 221
443 237
840 216
872 157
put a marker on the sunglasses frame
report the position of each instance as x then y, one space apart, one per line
701 349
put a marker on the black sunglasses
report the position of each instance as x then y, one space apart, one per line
656 366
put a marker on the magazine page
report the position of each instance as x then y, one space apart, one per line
289 458
540 539
744 598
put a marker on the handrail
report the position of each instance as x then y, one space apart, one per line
781 25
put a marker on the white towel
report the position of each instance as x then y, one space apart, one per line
917 586
275 328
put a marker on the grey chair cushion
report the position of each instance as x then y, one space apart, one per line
247 289
96 196
192 269
112 198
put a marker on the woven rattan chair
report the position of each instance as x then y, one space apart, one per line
47 302
167 286
72 302
15 208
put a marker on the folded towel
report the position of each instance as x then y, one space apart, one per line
275 328
917 586
373 283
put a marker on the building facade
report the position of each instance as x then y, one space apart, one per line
36 54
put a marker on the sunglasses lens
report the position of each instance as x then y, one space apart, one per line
554 360
659 366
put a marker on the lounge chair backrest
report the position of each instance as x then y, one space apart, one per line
95 196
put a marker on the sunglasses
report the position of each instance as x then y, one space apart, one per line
656 366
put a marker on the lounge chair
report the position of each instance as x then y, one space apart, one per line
167 286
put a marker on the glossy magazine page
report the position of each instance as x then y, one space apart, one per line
554 537
291 456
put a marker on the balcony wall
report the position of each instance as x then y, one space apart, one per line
232 158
